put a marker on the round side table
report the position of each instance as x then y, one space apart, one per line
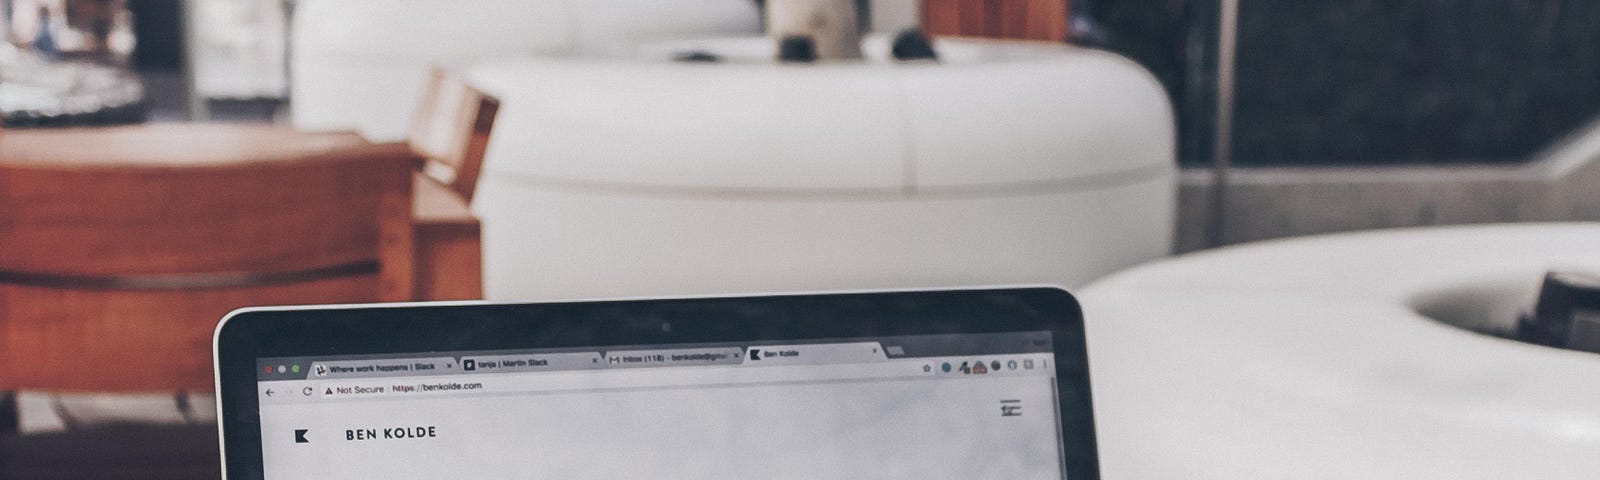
1322 358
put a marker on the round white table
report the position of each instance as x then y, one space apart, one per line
1308 359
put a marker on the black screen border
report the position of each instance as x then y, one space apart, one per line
249 334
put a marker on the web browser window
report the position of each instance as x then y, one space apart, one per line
916 407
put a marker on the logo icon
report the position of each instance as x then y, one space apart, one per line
469 365
300 436
320 369
945 367
1011 365
1011 408
1027 364
755 354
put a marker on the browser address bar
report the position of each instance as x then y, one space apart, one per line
618 379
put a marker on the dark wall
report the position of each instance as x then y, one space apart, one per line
1375 82
158 24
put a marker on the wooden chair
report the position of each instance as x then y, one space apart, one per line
112 277
450 130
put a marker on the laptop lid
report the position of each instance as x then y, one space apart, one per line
956 384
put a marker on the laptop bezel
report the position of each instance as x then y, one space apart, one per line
249 334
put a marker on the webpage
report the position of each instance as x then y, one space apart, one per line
850 409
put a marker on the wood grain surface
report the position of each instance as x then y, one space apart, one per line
215 145
274 202
1045 20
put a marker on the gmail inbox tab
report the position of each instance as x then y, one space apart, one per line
677 357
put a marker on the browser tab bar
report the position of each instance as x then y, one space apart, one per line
858 352
681 357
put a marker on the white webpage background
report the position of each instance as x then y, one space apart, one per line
922 429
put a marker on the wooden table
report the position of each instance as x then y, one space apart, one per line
448 253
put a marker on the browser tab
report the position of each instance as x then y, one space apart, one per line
859 352
543 362
682 357
382 368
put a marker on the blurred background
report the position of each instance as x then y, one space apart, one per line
165 161
1327 84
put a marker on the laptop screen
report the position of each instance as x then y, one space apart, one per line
959 406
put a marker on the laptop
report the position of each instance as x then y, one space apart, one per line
949 384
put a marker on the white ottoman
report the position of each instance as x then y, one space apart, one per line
1308 359
1005 163
361 64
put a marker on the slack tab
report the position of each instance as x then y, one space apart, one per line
541 362
403 367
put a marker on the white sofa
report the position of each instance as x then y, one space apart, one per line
1007 162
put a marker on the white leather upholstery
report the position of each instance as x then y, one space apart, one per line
1307 359
1005 163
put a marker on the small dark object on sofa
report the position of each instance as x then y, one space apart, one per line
912 44
696 56
797 48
